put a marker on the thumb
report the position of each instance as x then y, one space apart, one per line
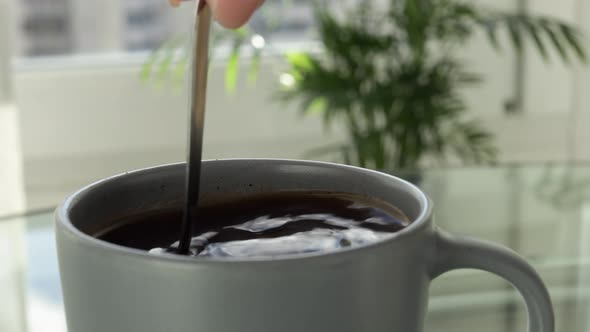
231 13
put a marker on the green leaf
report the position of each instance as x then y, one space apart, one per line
254 66
167 58
572 38
180 67
231 71
146 67
465 10
492 34
159 60
415 26
515 36
317 105
534 33
240 33
299 60
546 26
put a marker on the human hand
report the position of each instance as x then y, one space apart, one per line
230 13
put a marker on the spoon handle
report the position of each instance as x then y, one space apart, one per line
198 93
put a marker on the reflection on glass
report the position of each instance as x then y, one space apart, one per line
44 299
12 299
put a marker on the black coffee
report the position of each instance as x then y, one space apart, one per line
266 225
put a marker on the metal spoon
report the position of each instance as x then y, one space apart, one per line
198 92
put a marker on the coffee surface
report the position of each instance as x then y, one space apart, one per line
265 225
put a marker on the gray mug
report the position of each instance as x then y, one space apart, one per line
381 287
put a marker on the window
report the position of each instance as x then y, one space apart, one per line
63 27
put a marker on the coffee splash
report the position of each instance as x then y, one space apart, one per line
272 225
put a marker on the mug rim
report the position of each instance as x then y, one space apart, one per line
63 222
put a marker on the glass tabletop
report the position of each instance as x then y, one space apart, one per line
540 211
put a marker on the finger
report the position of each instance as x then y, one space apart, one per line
175 3
231 13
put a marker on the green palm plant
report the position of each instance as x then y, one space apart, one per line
392 77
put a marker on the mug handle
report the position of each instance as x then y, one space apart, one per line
454 252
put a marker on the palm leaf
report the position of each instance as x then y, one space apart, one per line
159 61
561 36
146 68
515 33
299 60
316 105
167 60
571 37
179 70
231 69
492 34
254 66
554 37
534 33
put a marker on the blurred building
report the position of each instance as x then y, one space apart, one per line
51 27
286 20
293 20
147 23
55 27
44 27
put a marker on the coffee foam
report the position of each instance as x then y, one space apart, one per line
348 234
